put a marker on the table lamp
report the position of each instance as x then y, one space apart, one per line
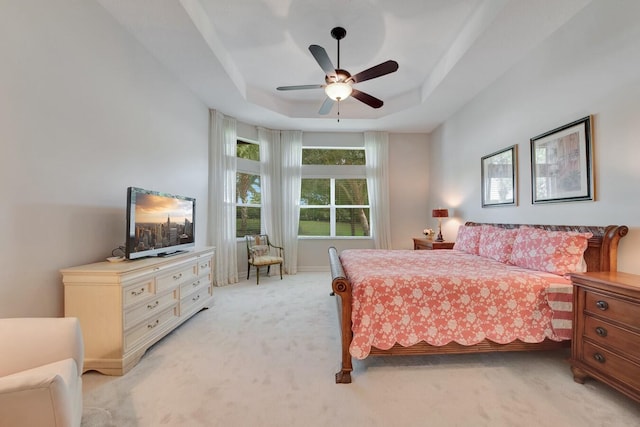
440 213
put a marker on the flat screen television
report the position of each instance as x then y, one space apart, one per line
158 224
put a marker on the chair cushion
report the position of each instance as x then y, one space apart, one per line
267 260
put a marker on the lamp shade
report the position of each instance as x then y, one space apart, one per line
440 213
338 91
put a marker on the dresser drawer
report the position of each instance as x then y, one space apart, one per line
612 365
612 308
194 301
150 327
204 266
176 277
612 337
193 286
134 294
138 313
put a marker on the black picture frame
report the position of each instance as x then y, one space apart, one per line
499 178
562 164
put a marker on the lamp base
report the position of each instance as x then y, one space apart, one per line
439 237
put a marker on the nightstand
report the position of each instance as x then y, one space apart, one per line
606 330
421 243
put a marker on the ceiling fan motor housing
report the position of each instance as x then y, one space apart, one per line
342 76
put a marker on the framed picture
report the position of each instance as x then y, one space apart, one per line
499 178
562 164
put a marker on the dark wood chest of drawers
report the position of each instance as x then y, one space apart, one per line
606 330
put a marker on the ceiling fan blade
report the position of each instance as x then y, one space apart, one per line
326 106
376 71
323 60
371 101
300 87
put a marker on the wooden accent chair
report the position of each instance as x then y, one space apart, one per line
261 252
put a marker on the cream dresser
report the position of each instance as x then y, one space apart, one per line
126 307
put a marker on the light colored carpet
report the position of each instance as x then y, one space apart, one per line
266 356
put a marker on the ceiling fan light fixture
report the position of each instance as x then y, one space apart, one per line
338 91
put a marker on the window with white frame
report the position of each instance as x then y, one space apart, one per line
248 189
334 198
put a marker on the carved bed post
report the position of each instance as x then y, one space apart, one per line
342 289
609 252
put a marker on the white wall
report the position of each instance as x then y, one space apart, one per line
85 112
409 160
589 67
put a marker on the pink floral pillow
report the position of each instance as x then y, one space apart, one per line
497 242
468 239
558 252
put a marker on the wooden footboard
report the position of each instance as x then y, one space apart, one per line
342 289
601 255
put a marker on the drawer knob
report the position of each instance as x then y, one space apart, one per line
136 293
152 306
599 358
154 324
177 276
601 331
196 298
194 284
602 305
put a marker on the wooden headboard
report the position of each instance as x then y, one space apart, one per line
602 252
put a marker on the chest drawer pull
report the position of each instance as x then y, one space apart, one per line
194 284
601 331
177 276
196 298
136 293
152 306
599 358
602 305
157 322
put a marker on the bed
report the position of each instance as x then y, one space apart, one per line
401 302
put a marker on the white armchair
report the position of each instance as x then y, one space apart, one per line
41 364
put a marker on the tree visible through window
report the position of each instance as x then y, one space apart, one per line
338 157
334 206
248 190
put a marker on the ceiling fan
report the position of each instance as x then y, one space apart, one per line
339 82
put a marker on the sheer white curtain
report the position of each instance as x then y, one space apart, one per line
291 168
280 170
222 197
376 149
270 159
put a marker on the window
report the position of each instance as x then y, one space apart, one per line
248 190
334 199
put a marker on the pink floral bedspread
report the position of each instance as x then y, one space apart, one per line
403 296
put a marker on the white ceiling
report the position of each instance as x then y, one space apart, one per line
234 53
